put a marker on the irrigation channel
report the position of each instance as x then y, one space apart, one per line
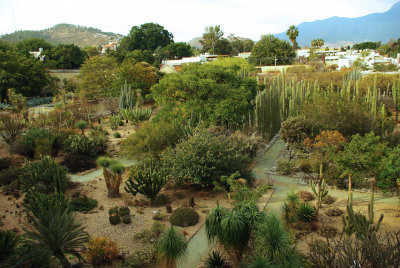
199 247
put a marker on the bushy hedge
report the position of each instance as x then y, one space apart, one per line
204 158
78 144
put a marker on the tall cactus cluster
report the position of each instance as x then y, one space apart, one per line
357 223
282 99
320 191
127 97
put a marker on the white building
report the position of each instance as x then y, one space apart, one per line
37 54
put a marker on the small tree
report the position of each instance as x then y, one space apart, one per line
112 171
147 180
81 124
171 246
294 131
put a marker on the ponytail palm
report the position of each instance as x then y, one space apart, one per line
53 234
171 246
213 222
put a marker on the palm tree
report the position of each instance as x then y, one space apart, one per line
52 235
171 246
317 43
292 33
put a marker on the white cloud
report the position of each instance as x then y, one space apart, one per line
184 18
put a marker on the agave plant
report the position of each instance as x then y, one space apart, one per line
215 260
306 212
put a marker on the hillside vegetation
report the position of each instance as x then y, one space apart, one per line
65 34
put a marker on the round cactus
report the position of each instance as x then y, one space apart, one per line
114 219
126 219
113 210
123 211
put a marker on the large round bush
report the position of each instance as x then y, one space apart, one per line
184 217
204 158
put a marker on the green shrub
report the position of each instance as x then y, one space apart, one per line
184 217
147 236
160 200
78 162
83 204
114 121
305 166
151 139
159 216
10 128
44 176
203 158
124 211
126 219
284 166
32 136
306 212
117 135
39 203
114 219
78 144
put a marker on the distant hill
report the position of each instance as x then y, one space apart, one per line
65 34
339 31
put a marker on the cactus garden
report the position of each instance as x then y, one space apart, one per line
261 169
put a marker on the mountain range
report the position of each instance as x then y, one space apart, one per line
335 31
342 31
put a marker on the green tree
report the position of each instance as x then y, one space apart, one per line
292 33
33 44
140 75
362 157
147 36
25 74
140 56
65 57
97 75
178 50
294 131
269 47
216 93
92 51
52 235
366 45
211 37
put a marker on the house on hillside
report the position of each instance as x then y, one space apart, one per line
38 54
109 46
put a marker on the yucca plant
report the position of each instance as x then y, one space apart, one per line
306 212
147 180
11 128
8 243
112 171
215 260
213 222
171 246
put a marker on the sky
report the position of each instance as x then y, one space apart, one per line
185 19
